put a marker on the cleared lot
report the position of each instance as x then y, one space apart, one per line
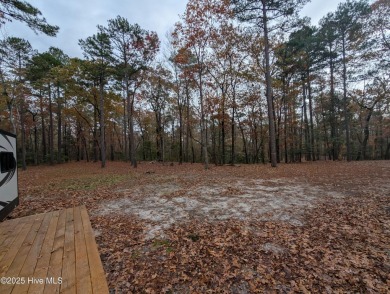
319 227
163 205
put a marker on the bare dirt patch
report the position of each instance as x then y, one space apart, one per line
163 204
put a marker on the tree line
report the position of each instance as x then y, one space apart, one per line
237 81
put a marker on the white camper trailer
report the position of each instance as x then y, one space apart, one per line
8 174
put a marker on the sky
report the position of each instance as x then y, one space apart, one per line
78 19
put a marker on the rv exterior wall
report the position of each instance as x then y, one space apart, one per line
8 174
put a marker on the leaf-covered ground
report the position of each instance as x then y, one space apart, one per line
320 227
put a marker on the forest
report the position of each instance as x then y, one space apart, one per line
168 145
236 82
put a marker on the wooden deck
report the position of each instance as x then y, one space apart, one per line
52 252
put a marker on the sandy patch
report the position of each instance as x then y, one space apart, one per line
163 205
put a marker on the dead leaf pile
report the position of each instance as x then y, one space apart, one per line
343 244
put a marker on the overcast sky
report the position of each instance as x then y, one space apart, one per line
77 19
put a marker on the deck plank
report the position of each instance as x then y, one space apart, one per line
14 246
11 231
49 246
42 266
32 257
99 284
7 230
55 265
21 253
68 267
83 273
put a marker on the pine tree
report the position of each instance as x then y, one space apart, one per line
25 12
97 48
269 15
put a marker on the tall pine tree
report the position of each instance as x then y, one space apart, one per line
269 16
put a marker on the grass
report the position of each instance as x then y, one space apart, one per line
163 243
91 182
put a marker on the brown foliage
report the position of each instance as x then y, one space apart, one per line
342 246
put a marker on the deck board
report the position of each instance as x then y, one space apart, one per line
5 235
10 233
19 244
31 260
57 253
98 285
69 260
83 273
42 266
38 250
22 253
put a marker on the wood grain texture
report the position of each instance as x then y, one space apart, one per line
49 246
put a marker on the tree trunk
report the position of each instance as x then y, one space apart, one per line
345 103
44 147
85 148
180 134
307 134
189 142
67 143
59 130
78 142
271 120
102 124
366 134
23 131
35 139
51 128
333 130
130 109
362 151
203 124
95 140
244 142
159 136
312 140
125 135
233 130
223 135
277 119
387 153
